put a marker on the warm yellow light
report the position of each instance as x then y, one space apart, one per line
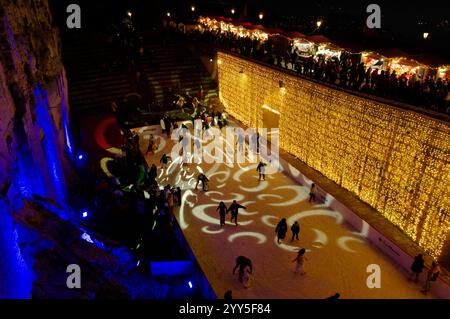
319 23
232 11
168 14
261 16
425 35
395 162
129 13
270 109
192 8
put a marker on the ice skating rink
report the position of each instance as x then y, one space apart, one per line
337 256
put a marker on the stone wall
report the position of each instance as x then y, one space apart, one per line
34 125
395 160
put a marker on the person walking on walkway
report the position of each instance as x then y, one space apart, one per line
222 208
234 208
417 268
432 276
261 169
295 228
312 193
202 177
300 260
281 229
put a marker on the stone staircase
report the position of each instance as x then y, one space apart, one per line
172 69
96 77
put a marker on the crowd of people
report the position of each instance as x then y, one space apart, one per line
428 92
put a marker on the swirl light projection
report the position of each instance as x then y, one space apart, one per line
396 161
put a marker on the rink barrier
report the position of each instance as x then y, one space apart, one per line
198 274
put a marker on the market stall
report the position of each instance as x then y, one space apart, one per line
328 51
406 66
373 60
443 72
303 47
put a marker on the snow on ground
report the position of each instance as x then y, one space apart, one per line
337 258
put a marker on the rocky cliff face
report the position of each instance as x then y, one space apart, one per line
34 128
38 239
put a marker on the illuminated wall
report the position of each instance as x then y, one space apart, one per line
396 161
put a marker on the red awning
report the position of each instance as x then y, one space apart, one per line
273 30
256 27
294 34
246 24
318 38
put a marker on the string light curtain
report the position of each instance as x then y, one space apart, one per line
395 160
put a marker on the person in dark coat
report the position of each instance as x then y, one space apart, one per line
153 172
336 296
417 267
281 229
202 178
261 169
228 295
295 228
241 262
222 208
234 208
178 193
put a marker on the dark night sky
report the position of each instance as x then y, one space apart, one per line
344 20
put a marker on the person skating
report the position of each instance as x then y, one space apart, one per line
417 268
261 169
164 160
432 276
295 228
222 208
153 172
228 295
312 193
281 229
241 141
245 276
151 145
162 123
245 270
336 296
202 177
178 192
300 260
234 208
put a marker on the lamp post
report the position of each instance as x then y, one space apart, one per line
425 35
261 16
319 23
168 14
193 8
232 11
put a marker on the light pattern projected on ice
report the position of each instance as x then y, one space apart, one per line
264 200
